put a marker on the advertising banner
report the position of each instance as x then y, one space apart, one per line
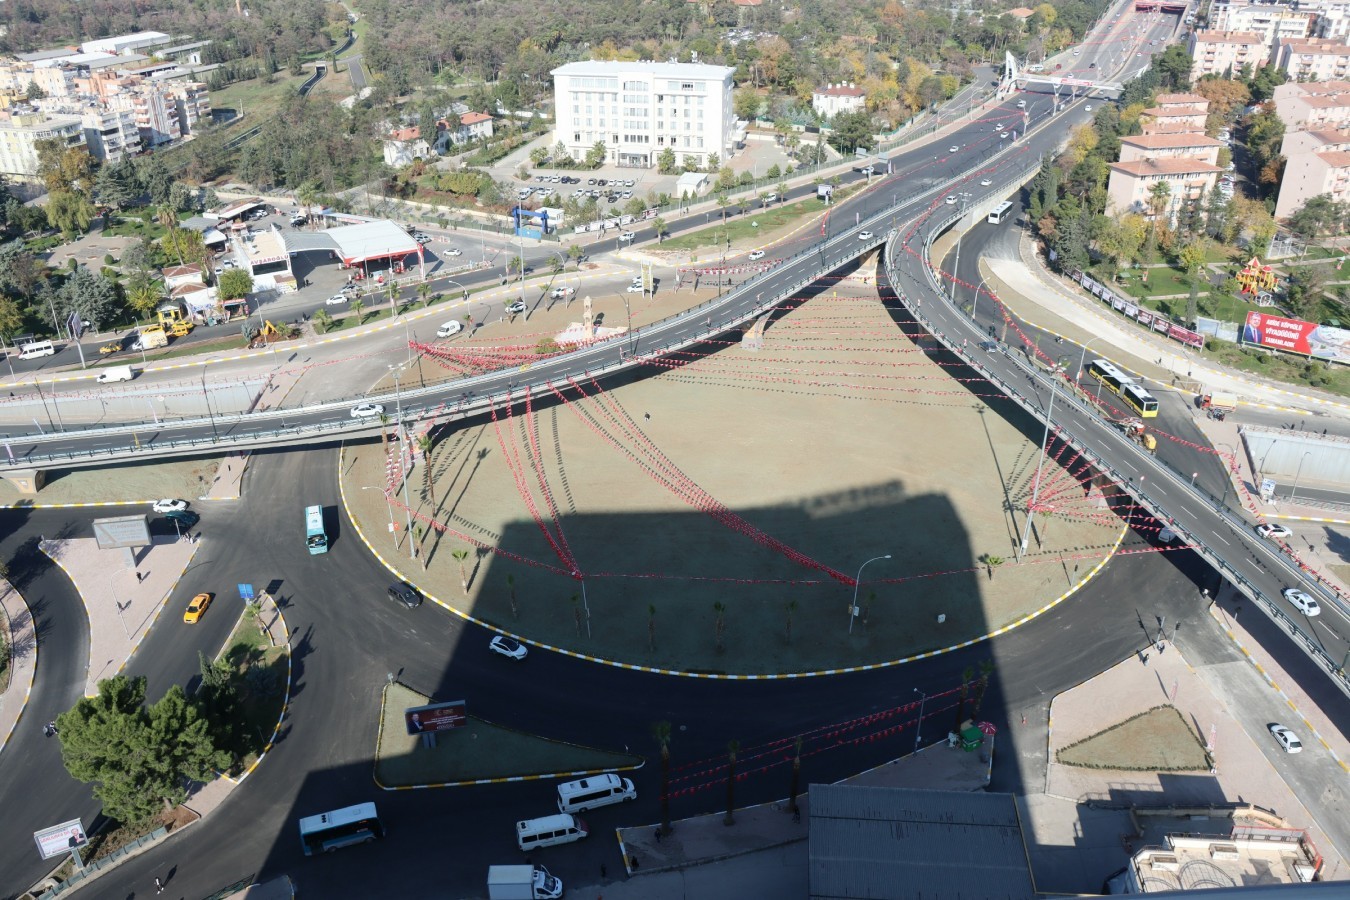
1297 336
435 717
60 839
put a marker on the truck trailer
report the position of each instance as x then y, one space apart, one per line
522 883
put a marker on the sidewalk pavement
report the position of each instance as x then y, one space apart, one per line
121 603
22 639
229 481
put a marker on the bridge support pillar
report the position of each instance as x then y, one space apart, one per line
28 481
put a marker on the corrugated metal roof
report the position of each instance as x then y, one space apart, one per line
878 843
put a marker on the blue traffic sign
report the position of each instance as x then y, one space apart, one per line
246 592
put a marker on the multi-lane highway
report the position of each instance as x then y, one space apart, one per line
347 640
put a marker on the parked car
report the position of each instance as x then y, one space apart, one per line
165 506
508 647
195 608
405 594
367 411
1285 738
1303 602
185 518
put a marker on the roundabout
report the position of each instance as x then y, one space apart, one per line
710 518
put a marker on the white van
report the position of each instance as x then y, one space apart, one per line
36 349
549 830
450 328
599 790
115 373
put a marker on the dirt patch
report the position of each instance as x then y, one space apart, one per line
188 479
710 517
477 751
1156 740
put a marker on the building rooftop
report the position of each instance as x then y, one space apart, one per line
1155 168
1178 110
411 133
473 118
881 842
1316 47
1165 99
181 271
1337 159
1312 88
1021 12
1248 857
841 90
1167 141
658 69
1228 37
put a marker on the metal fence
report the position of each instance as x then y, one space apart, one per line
112 859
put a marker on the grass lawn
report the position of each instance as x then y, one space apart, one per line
478 750
130 357
741 227
1160 282
135 223
256 97
1295 370
258 672
1158 740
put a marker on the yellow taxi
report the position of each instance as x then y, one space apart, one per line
195 609
107 349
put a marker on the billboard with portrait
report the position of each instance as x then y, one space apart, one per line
435 717
1297 336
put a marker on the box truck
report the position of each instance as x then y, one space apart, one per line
522 883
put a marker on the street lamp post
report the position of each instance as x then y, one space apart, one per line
1298 474
1083 357
387 505
207 398
918 726
1040 465
853 607
956 268
403 462
975 303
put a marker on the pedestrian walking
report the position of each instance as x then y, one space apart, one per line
1145 659
159 885
604 872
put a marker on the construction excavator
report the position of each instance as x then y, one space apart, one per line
1137 431
270 333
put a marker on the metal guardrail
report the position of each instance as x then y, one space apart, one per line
94 869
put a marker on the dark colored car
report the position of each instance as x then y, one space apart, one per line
185 517
405 594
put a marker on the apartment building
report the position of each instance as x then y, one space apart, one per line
1130 189
110 134
192 102
473 125
1333 17
1186 145
1317 162
1313 59
1271 21
155 111
1175 118
637 110
833 99
1224 53
20 131
1313 106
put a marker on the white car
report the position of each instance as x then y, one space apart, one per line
951 200
626 237
635 289
449 329
985 182
770 198
1003 136
367 410
756 254
1286 738
953 149
453 251
508 647
1305 604
562 293
1088 108
516 308
865 235
1274 532
335 300
166 506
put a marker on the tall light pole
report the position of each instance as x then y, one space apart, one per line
389 507
403 462
853 607
974 303
918 726
1040 465
956 269
1231 468
1298 474
207 398
1083 356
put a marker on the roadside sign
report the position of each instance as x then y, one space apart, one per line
435 717
60 839
246 592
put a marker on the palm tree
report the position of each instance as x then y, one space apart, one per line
732 747
307 193
651 627
384 433
722 204
659 226
511 587
661 732
424 292
720 608
357 308
460 556
392 290
967 676
323 321
991 562
781 188
986 669
424 443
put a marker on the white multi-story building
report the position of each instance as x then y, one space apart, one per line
833 99
20 132
110 134
1313 106
155 111
1316 162
1269 20
1333 17
1184 145
1224 53
1313 59
1130 189
192 102
637 110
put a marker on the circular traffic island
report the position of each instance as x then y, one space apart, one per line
711 517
